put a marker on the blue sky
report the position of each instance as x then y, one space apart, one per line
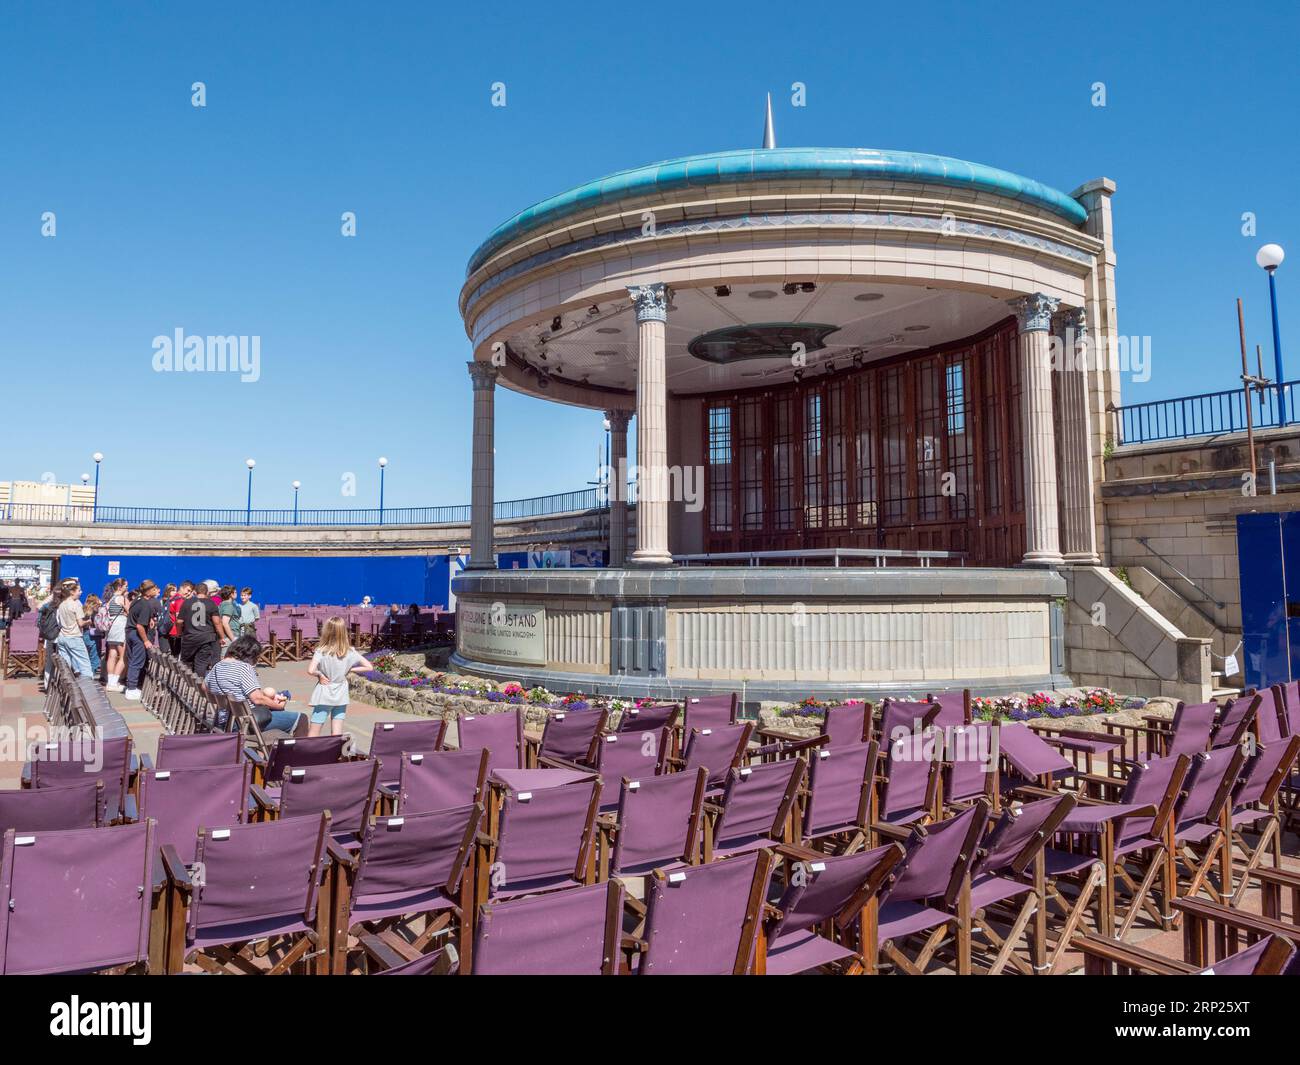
226 219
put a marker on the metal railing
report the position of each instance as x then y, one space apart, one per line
505 510
1206 414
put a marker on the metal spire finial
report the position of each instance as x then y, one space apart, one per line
769 131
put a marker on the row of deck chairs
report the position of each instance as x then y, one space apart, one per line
851 851
487 886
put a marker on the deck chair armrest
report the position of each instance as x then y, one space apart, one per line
1090 817
779 734
551 762
1033 791
146 762
176 870
633 944
340 855
255 756
1129 956
1100 780
388 791
794 852
263 799
387 954
892 832
674 761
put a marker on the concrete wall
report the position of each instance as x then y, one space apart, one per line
1115 639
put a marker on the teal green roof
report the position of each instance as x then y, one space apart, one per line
779 164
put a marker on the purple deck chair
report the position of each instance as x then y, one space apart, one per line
926 891
649 718
1137 826
23 651
911 776
572 737
1001 875
259 882
954 708
199 749
847 724
1271 722
628 755
409 866
441 780
1255 806
564 933
544 841
346 790
1269 956
970 763
181 801
392 739
658 823
1237 719
502 734
755 808
1190 730
703 920
53 809
829 896
62 764
1197 821
841 794
79 900
909 717
719 750
297 752
1028 757
710 711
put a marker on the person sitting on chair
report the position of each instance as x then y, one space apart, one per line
236 676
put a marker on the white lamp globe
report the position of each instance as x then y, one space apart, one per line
1270 256
382 462
297 485
98 456
250 463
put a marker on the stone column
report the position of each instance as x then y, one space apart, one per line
1078 535
1042 533
618 420
651 303
481 522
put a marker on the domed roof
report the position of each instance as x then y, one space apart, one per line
779 164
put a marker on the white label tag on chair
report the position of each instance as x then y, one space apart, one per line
611 738
524 796
633 785
24 841
692 700
163 774
633 712
416 759
823 754
288 743
468 717
559 717
297 774
387 726
220 833
745 771
676 878
818 867
706 732
396 822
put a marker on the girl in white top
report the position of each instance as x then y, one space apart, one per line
334 659
115 638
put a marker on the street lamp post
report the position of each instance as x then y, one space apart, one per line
248 511
296 486
98 456
1269 258
383 462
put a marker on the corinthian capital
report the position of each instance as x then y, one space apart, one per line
1034 313
483 375
651 302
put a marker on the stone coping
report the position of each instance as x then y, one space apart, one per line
851 583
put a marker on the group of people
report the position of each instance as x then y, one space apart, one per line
210 628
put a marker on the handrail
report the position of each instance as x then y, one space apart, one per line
504 510
1180 574
1205 414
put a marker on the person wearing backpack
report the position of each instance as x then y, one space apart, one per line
47 624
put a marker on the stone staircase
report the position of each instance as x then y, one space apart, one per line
1192 619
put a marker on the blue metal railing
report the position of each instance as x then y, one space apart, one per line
505 510
1202 415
